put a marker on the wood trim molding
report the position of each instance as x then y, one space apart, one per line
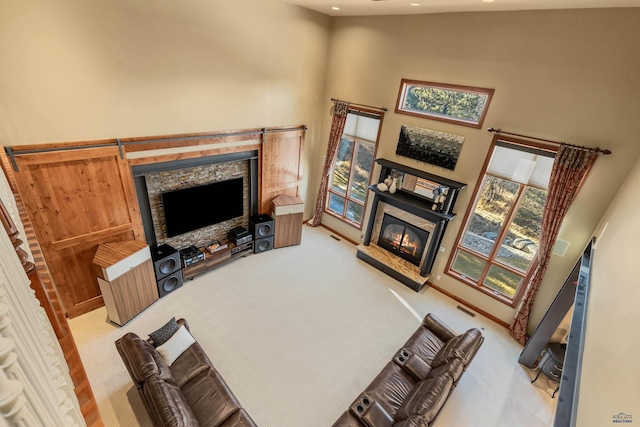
339 234
91 237
189 155
479 90
188 140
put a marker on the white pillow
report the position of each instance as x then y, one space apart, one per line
176 345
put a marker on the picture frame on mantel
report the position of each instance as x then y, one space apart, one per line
430 146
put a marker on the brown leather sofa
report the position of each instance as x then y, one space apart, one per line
412 388
190 392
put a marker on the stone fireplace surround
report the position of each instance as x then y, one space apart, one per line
152 180
402 270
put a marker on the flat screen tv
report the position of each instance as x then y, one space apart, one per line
196 207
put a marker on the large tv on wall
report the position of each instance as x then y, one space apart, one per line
196 207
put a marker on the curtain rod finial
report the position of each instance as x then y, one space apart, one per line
493 130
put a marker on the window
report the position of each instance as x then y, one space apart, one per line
461 105
352 167
501 231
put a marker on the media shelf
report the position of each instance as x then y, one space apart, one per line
217 258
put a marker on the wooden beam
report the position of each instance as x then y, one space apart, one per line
190 155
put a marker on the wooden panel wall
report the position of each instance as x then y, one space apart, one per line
78 199
281 166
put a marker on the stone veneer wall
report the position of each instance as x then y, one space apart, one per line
412 219
177 179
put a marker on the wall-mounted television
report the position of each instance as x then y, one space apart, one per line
196 207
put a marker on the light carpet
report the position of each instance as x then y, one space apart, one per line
298 332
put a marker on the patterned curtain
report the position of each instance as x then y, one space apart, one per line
569 168
340 110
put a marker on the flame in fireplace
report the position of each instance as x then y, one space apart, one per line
404 240
410 244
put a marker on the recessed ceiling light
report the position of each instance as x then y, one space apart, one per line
414 4
337 8
488 1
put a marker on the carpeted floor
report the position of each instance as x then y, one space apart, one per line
297 333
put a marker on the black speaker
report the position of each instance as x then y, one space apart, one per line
261 226
170 283
263 245
166 260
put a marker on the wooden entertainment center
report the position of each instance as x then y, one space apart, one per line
217 258
83 194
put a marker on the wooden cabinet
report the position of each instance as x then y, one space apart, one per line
215 259
287 215
125 275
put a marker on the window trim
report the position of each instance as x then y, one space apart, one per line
363 112
512 302
402 93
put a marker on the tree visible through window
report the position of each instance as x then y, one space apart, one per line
501 234
438 101
352 167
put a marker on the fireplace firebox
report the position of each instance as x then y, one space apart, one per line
402 239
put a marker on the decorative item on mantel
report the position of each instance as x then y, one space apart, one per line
391 183
406 227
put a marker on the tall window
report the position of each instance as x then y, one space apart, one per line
352 167
502 228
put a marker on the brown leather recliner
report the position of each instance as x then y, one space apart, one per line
412 388
190 392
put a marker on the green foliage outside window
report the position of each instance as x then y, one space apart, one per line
438 101
445 102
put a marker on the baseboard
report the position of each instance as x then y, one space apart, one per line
342 236
471 306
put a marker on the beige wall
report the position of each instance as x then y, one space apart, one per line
609 380
78 70
75 70
562 75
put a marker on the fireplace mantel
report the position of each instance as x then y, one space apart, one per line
437 212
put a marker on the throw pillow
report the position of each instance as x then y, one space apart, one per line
163 334
176 345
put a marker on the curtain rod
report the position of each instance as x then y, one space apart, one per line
362 105
597 149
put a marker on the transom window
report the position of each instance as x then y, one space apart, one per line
347 194
461 105
501 232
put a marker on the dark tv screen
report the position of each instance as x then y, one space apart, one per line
192 208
